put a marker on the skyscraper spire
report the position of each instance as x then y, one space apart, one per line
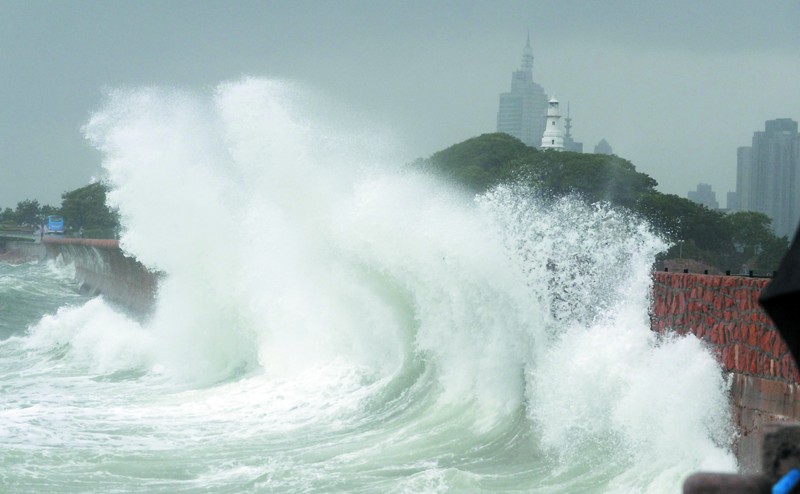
527 55
522 110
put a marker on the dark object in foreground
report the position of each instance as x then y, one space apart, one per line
726 483
781 298
788 483
780 453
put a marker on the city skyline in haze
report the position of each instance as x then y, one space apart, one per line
675 88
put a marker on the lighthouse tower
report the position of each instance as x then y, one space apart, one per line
553 137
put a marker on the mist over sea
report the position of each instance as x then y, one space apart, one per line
333 321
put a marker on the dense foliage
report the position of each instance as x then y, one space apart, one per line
727 241
28 213
84 210
484 161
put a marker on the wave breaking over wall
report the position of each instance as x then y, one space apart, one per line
425 330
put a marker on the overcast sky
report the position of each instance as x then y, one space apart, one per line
674 86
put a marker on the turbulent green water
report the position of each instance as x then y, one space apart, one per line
357 328
30 290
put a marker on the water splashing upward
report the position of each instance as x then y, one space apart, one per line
331 323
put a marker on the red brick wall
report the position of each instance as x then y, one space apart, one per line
723 311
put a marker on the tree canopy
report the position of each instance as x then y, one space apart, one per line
713 237
480 162
27 213
85 210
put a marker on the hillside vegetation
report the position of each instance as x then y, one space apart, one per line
724 241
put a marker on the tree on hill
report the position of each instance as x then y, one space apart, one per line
750 231
709 236
679 218
487 160
752 240
478 162
595 177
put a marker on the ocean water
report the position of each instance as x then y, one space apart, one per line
332 321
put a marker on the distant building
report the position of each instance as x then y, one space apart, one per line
603 147
553 136
569 143
768 175
705 196
744 159
733 201
522 111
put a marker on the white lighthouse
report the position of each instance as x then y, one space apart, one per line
553 137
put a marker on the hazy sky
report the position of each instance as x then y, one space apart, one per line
674 86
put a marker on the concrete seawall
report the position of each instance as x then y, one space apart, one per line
723 311
102 268
17 250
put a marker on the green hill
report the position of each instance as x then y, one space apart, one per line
717 239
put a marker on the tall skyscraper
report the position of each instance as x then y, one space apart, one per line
733 201
744 158
768 175
523 110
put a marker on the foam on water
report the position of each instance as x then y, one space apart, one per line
331 322
96 337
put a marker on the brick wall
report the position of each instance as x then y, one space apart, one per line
723 311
